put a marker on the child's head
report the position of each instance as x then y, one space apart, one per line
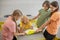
46 5
54 6
25 19
17 14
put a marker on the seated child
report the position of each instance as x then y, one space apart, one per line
25 24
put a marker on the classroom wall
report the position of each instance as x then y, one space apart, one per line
26 6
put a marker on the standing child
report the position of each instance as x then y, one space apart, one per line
10 27
52 23
44 14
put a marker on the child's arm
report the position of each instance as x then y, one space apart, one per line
31 27
44 25
30 24
36 16
16 34
21 29
18 30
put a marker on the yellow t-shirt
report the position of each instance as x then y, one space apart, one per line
25 26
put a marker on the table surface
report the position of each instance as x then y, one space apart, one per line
30 37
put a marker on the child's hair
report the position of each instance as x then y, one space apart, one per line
17 12
47 3
24 17
55 4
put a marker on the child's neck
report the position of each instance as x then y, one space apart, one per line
45 9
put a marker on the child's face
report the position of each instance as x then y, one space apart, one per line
17 17
52 8
45 7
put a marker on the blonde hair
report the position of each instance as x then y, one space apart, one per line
24 17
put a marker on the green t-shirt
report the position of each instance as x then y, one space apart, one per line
44 15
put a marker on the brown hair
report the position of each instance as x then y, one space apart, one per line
55 4
47 3
16 13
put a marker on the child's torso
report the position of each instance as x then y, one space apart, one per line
52 28
44 15
26 26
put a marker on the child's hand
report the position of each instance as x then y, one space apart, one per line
22 34
38 30
30 19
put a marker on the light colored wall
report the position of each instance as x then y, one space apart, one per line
26 6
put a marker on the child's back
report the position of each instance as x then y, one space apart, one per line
25 24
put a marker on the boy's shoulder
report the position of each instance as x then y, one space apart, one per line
41 9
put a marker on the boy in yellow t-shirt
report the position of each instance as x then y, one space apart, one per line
25 24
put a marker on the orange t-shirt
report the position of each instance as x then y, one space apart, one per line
52 27
59 20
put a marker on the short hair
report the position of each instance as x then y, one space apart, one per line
55 4
47 3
